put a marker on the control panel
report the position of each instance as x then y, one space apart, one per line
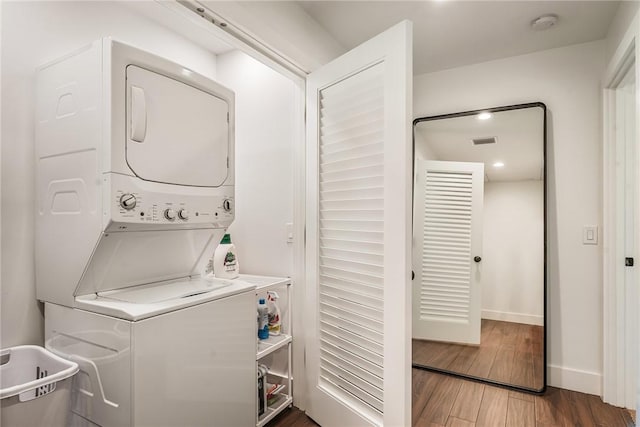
185 207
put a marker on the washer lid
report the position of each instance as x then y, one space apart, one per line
158 293
141 302
123 260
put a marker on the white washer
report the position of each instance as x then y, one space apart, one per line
178 353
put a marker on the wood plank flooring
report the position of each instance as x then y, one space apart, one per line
509 352
292 417
442 400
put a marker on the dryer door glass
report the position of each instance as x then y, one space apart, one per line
176 133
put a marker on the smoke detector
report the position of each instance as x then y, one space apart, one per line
544 22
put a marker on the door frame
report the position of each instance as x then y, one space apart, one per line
545 327
616 361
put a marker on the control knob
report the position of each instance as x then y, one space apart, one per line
183 214
170 214
226 205
128 201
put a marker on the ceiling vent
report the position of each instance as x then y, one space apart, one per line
484 141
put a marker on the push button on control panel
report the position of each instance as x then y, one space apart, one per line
183 214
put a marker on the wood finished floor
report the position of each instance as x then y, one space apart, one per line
442 400
509 352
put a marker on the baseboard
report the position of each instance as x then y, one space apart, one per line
574 379
505 316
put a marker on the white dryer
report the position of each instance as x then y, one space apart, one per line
134 191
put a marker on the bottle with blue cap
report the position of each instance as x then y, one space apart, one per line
263 319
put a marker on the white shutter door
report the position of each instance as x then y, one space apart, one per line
351 247
358 235
448 235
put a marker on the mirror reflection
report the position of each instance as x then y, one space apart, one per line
478 245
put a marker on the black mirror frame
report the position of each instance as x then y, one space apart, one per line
544 154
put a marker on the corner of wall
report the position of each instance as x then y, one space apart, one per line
574 379
625 16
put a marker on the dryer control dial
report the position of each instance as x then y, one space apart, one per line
170 214
183 214
226 205
128 201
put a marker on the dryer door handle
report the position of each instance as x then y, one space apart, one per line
138 114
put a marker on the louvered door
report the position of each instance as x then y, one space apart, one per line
447 238
358 235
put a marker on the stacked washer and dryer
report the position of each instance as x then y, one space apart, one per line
135 188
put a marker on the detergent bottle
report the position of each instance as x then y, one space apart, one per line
225 259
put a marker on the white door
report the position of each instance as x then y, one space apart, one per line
358 336
447 251
176 133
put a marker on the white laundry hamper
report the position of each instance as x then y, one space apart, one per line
35 387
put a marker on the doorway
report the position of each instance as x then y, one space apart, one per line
621 226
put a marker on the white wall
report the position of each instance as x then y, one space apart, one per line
567 80
619 26
513 252
266 105
422 150
34 33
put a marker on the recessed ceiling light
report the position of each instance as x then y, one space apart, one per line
484 116
544 22
498 165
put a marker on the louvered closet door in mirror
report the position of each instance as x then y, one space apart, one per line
358 235
448 236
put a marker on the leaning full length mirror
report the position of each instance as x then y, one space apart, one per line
479 245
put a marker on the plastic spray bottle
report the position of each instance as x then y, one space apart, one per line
275 320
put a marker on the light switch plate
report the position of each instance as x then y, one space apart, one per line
590 235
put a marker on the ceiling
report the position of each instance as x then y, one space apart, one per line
519 143
450 34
